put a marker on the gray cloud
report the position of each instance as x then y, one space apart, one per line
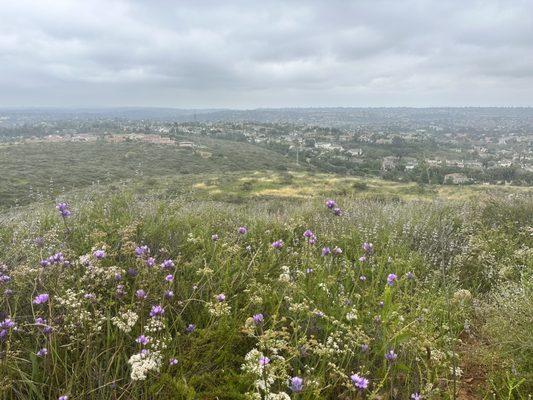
246 54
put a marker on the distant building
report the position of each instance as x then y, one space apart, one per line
389 162
186 145
456 179
355 152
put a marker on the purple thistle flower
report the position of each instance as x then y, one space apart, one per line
169 278
362 278
296 384
390 279
99 254
243 230
312 239
190 328
337 211
331 204
167 264
220 297
264 361
157 311
4 278
278 244
142 340
416 396
359 382
42 353
89 296
169 294
118 277
41 298
150 262
140 294
44 263
326 251
63 397
391 355
362 259
258 318
173 362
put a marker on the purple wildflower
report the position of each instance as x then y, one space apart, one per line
220 297
410 275
63 209
368 247
99 254
42 353
416 396
278 244
140 294
243 230
167 264
263 361
132 272
190 328
312 239
41 298
359 382
365 347
38 241
169 278
326 251
296 384
141 251
362 278
337 251
4 278
258 318
142 340
391 355
63 397
157 311
150 262
214 237
362 259
169 294
308 234
331 204
172 362
337 211
390 279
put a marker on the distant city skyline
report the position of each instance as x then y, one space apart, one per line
273 54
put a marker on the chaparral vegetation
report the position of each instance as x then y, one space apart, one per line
132 295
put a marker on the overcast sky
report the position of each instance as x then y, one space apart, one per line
247 54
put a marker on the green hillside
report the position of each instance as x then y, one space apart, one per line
37 171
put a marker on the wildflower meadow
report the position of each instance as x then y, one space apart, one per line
126 296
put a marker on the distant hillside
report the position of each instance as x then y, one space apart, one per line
35 171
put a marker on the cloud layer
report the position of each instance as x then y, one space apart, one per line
245 54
